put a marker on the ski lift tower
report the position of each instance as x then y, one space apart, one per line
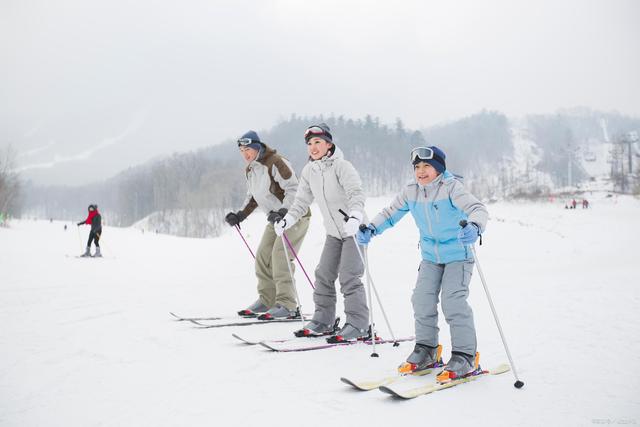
622 143
629 139
571 154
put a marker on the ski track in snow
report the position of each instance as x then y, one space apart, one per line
88 342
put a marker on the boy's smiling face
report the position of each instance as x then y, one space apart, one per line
425 173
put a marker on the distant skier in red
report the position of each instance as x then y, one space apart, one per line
95 220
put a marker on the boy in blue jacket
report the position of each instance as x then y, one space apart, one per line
438 202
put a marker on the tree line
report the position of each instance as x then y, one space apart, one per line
188 193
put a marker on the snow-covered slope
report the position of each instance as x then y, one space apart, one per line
90 342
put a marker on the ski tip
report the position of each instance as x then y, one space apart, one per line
501 369
267 346
392 393
243 340
347 381
359 386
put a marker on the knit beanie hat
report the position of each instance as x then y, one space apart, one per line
318 131
437 160
250 139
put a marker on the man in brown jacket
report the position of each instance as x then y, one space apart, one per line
271 186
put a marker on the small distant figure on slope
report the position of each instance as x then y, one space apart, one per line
95 220
573 204
585 204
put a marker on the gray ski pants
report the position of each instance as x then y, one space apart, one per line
340 260
452 280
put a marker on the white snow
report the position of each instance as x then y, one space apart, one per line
90 342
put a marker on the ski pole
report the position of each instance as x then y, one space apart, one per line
375 292
518 383
371 322
293 251
79 238
293 280
375 289
371 286
243 239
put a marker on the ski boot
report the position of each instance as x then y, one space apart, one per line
424 357
348 333
97 254
460 365
317 329
279 312
254 309
86 253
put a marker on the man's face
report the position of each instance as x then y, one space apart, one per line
248 154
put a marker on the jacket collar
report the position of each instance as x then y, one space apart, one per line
440 179
328 159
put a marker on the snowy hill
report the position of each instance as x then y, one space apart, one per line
90 342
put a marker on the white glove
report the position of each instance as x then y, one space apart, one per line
284 224
352 225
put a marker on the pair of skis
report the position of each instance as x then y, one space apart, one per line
386 384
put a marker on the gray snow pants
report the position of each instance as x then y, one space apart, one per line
340 259
453 281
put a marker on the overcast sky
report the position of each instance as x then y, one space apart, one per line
114 83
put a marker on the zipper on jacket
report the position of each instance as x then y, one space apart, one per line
428 216
326 202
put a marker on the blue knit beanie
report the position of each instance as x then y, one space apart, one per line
438 162
256 144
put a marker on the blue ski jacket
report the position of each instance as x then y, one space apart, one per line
437 209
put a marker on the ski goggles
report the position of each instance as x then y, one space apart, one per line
245 141
421 153
315 130
425 153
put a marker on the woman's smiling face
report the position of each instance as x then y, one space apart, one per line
318 148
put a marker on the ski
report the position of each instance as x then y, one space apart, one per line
274 341
433 387
239 322
371 385
285 349
278 340
181 318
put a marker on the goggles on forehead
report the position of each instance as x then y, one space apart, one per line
245 141
421 153
315 130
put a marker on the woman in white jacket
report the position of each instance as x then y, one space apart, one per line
335 185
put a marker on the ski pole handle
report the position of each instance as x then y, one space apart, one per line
463 223
344 214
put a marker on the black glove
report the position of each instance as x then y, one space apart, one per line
275 216
80 223
234 219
